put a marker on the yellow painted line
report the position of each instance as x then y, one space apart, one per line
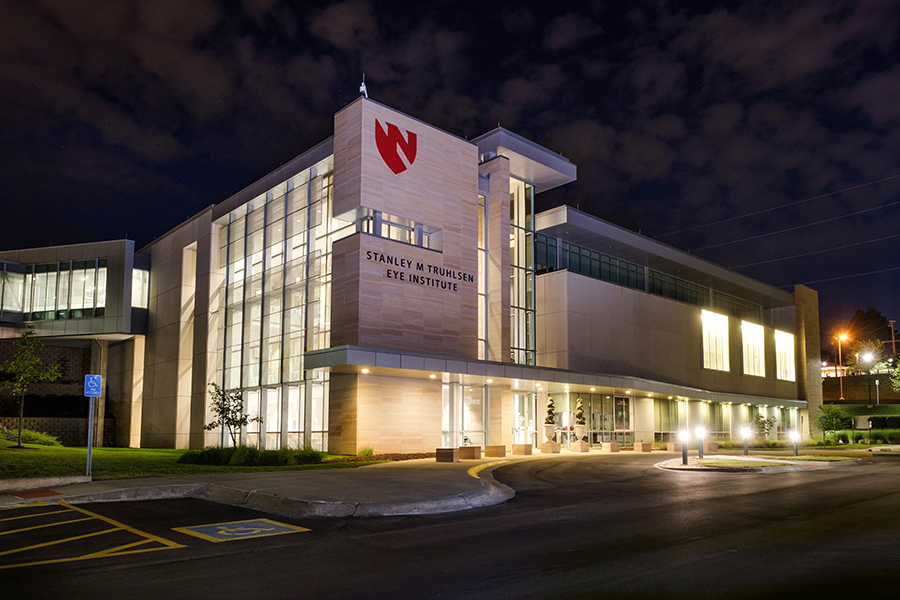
108 553
44 525
124 527
55 512
53 543
474 471
42 503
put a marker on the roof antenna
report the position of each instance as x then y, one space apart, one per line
362 87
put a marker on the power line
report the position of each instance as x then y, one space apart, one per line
843 277
762 235
765 210
765 262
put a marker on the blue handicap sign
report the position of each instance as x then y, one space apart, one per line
93 384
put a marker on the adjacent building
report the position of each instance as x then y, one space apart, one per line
393 288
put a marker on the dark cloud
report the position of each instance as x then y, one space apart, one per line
127 116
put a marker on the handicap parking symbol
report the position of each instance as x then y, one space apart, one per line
239 530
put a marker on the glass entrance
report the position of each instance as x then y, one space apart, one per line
524 431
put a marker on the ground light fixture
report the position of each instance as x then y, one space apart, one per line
795 437
701 433
745 433
685 437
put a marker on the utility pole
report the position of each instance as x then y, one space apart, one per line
893 340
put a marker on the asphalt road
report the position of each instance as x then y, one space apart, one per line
611 527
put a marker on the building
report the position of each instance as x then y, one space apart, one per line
393 288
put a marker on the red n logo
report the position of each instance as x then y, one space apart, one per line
390 142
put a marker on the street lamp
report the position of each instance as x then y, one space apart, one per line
685 437
867 358
795 437
745 433
841 337
701 433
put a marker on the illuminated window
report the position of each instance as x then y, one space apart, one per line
140 288
754 344
784 356
715 341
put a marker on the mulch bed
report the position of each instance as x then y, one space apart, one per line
392 457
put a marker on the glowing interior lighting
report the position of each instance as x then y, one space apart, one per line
365 370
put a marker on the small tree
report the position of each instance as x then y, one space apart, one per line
24 369
228 406
895 378
762 426
579 412
831 418
550 419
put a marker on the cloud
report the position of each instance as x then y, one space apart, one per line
570 30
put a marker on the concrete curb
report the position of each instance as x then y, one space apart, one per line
39 483
787 468
148 492
491 493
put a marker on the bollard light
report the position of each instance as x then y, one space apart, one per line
795 437
745 433
684 436
701 433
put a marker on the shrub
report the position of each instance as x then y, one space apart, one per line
367 451
308 455
41 439
247 456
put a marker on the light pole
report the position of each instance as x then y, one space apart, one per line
684 436
794 438
745 433
841 338
701 433
867 357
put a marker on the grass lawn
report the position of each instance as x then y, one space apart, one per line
119 463
731 463
759 461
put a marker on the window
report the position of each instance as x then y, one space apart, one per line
754 345
140 288
715 341
784 356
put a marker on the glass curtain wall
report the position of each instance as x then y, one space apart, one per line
521 255
462 415
482 279
611 419
65 290
276 252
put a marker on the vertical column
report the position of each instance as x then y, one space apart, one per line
498 299
809 365
99 362
185 346
500 415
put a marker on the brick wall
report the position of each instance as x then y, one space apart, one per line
71 432
73 362
856 390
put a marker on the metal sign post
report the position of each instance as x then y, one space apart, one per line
93 385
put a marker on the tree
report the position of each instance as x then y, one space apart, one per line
831 418
579 412
762 426
869 324
228 406
24 369
856 353
895 378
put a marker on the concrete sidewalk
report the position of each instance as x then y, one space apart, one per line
399 488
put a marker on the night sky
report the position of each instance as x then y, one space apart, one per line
760 135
